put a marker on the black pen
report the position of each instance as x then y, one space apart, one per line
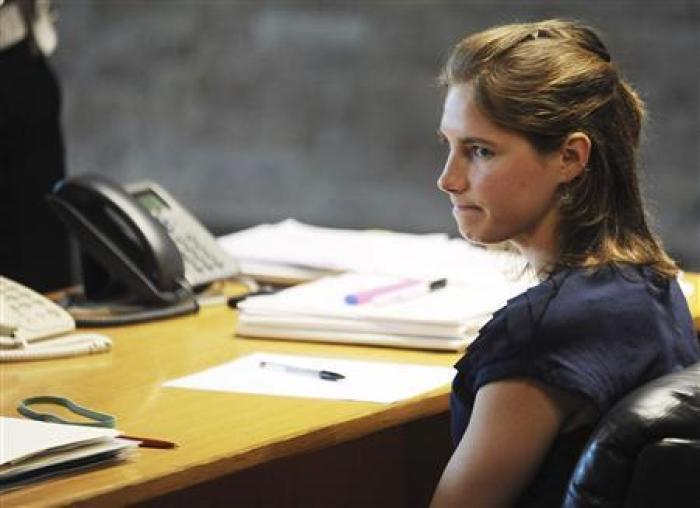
266 289
326 375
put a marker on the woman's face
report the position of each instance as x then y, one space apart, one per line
500 187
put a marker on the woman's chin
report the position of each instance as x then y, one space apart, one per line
478 238
471 236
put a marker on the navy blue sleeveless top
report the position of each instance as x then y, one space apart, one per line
599 333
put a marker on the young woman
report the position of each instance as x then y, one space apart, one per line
543 135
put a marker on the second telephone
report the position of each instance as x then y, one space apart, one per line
32 327
138 244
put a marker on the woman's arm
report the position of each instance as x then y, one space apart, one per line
512 426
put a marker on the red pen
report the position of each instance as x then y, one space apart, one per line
147 442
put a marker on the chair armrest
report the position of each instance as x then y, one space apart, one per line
665 474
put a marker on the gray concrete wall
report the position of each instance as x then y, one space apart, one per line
254 111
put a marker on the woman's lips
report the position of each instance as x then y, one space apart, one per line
466 207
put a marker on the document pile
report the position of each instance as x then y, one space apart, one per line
443 316
293 252
31 450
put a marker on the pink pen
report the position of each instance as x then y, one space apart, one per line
407 287
369 294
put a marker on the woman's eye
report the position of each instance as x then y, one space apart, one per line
479 152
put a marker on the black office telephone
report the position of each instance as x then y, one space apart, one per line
138 248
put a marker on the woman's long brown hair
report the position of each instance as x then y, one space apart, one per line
546 80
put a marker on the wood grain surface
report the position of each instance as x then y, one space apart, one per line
217 433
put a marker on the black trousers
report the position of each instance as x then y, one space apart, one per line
34 247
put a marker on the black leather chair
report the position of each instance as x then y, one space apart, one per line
646 450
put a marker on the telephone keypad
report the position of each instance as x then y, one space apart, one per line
205 261
195 254
33 313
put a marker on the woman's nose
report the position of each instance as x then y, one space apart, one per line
453 178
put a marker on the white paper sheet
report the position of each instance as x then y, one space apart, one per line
367 381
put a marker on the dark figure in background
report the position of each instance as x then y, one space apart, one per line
34 248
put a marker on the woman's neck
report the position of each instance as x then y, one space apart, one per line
541 258
540 245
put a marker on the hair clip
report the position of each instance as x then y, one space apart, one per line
540 33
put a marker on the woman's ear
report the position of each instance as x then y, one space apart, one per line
575 151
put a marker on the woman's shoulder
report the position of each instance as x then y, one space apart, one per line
598 304
612 297
599 332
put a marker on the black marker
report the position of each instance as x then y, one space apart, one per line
233 301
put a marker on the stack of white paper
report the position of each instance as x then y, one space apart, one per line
31 450
446 319
292 252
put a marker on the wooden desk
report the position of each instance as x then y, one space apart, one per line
220 434
254 450
694 299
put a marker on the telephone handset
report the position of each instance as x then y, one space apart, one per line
32 327
129 253
140 247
